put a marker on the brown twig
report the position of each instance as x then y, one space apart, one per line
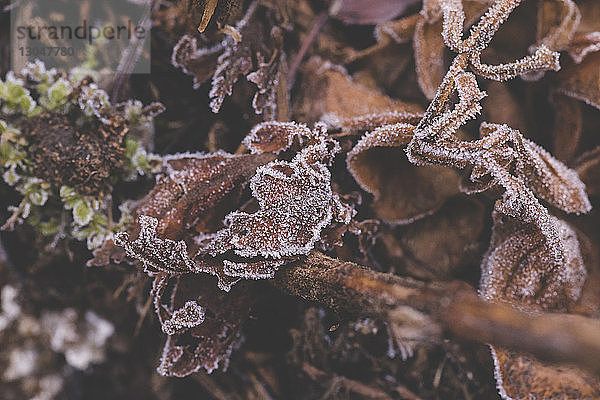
431 310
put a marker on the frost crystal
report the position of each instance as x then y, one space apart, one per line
189 316
274 137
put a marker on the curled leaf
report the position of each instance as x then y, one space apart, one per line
329 90
403 192
193 185
582 81
520 268
274 137
207 345
521 377
551 180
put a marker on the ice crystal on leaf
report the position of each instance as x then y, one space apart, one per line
295 203
208 344
520 269
189 316
274 137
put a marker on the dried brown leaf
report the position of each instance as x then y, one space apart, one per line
588 168
557 22
523 377
520 267
439 246
209 344
550 179
274 137
586 39
295 203
429 51
582 81
327 89
403 192
195 184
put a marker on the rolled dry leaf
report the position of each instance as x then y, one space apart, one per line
328 89
568 125
582 81
403 192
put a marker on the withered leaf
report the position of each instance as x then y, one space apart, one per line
557 22
295 203
568 125
209 344
429 51
195 184
521 377
274 137
586 39
520 270
588 168
519 267
328 90
403 192
201 63
166 255
582 81
551 180
438 246
255 39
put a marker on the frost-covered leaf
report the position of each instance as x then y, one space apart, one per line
522 377
195 184
551 180
588 168
165 255
295 204
582 81
270 78
520 268
557 22
255 50
209 344
188 316
586 39
201 63
403 192
274 137
429 55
